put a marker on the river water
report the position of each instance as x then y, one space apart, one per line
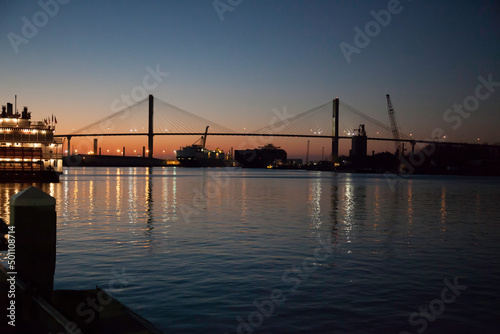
275 251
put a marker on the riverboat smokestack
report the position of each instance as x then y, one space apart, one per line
9 110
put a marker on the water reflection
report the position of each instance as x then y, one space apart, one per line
169 197
359 209
349 202
149 202
442 210
314 201
376 205
132 198
334 201
118 192
410 202
244 207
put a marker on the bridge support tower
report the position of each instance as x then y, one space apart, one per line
150 129
335 130
69 145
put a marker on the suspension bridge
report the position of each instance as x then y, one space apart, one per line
153 117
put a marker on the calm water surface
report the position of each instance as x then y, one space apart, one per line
266 251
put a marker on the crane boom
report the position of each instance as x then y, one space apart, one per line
394 126
204 138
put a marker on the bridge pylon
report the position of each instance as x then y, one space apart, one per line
150 128
335 130
69 145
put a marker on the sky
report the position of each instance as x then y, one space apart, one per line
234 61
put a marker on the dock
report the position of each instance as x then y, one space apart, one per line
91 160
27 299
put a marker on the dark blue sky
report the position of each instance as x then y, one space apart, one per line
262 55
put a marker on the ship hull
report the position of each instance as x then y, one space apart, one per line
201 162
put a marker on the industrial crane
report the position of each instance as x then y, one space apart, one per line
394 126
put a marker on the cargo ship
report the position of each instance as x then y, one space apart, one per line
268 156
28 150
197 155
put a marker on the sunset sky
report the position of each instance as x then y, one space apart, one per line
235 63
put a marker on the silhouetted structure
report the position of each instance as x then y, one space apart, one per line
268 156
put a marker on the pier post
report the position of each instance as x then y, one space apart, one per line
150 130
335 130
33 214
